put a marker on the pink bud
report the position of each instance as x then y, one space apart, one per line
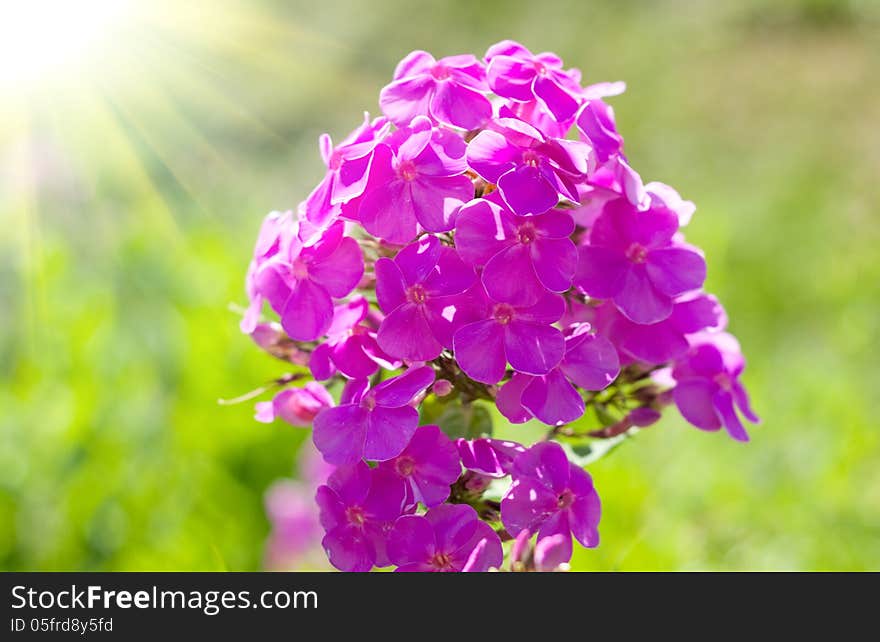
442 387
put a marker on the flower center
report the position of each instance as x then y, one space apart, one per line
369 400
407 170
540 69
416 294
405 466
503 313
355 515
299 269
565 499
440 72
526 233
637 253
723 380
531 158
441 561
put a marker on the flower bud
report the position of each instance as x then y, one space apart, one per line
442 387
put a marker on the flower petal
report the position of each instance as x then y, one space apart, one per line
308 311
601 271
436 200
342 270
509 399
533 348
411 541
339 434
490 155
526 191
389 431
639 300
591 362
400 390
404 99
405 334
387 212
479 351
552 399
555 262
482 230
509 277
460 106
694 398
675 270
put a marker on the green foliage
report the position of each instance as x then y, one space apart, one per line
131 194
470 421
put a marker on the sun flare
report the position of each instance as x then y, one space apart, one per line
41 37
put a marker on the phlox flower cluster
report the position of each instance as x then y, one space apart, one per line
484 240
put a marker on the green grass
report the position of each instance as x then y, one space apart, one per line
133 196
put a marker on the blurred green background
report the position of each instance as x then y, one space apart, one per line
135 174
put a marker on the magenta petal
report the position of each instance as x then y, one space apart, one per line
482 230
549 309
526 505
389 431
400 390
701 312
339 434
349 550
308 311
741 398
437 464
600 272
352 179
404 99
546 461
526 191
555 224
491 155
390 286
510 77
509 399
417 260
451 276
318 207
656 343
460 106
532 348
551 552
552 399
676 270
436 200
271 283
694 400
555 262
411 541
558 101
639 301
415 62
583 517
557 527
591 362
453 525
351 359
510 277
480 552
405 334
723 402
340 272
479 351
387 212
385 499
